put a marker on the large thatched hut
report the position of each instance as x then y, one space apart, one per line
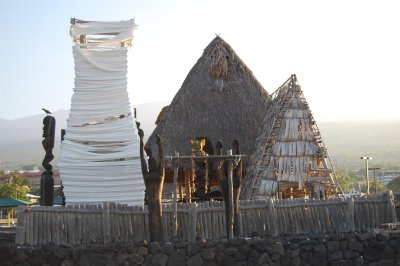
291 159
220 99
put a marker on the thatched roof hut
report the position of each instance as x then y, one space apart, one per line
290 159
220 99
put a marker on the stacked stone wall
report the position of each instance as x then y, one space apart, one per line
374 248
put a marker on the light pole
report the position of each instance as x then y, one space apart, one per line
366 170
374 169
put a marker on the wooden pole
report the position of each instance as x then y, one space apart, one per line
9 217
180 189
175 226
366 174
187 186
366 171
230 187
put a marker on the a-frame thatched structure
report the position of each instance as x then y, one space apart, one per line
291 159
220 99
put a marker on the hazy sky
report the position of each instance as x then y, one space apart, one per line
346 54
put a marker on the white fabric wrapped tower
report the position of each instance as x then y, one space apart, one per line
99 158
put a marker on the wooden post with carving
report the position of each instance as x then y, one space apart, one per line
47 180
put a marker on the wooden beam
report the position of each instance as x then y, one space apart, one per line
181 159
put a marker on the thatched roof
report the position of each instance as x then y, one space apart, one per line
289 148
220 99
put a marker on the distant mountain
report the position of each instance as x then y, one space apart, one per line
20 140
348 141
28 128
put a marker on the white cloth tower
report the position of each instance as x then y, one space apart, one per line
99 158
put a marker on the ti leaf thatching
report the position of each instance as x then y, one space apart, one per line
220 99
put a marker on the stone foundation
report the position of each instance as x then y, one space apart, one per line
379 248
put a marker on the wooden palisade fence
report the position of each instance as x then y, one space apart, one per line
108 222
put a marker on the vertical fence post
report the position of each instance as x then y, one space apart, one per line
106 222
272 217
391 207
175 207
230 187
350 214
20 232
192 234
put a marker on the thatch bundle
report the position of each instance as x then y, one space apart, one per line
220 99
219 62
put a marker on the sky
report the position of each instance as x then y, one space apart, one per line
345 54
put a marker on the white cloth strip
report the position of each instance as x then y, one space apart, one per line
120 31
99 158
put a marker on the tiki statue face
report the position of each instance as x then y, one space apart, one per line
49 125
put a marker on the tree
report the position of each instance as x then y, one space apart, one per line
376 187
16 187
6 191
394 185
346 181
